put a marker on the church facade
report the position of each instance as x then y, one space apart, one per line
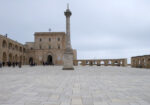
48 47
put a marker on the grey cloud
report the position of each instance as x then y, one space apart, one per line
106 28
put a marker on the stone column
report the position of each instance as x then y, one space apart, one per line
98 63
126 62
147 61
68 54
113 62
83 63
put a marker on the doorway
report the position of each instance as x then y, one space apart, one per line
50 60
31 61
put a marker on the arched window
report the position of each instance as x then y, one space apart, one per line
49 46
49 39
30 60
58 46
16 47
20 49
40 40
4 44
149 61
40 47
49 60
58 39
10 46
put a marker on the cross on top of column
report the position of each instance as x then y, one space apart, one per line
68 6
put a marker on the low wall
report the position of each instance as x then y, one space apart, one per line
99 62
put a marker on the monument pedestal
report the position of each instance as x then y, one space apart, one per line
68 60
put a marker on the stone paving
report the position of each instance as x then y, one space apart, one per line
84 86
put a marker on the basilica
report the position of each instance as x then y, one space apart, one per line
48 47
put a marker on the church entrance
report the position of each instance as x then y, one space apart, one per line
31 61
50 60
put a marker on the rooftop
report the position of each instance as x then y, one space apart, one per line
49 33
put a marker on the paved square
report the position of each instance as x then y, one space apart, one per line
89 85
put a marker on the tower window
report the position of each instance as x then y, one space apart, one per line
58 39
58 46
40 47
49 47
49 39
40 39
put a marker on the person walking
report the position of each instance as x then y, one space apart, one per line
19 64
3 64
0 64
14 64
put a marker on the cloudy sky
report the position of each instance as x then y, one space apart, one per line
99 28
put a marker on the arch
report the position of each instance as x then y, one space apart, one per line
20 49
79 62
95 62
16 47
87 62
102 62
109 62
10 46
13 47
30 60
50 53
4 44
148 61
117 63
4 57
49 60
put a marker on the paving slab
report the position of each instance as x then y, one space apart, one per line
86 85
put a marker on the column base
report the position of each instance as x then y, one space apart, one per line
68 60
